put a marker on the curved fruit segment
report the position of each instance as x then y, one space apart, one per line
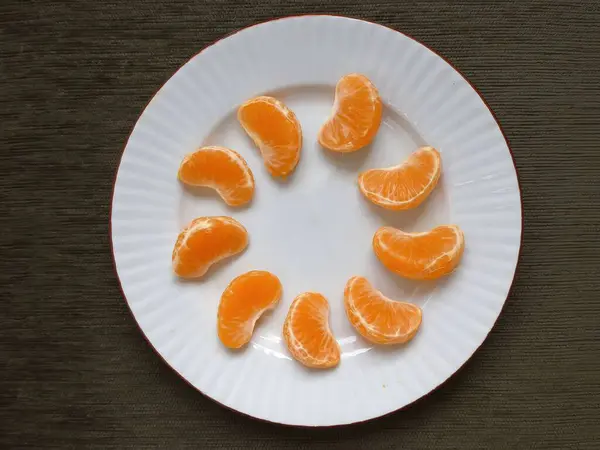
405 186
276 132
246 298
221 169
205 241
307 334
420 256
355 117
378 318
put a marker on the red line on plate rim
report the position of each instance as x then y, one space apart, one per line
423 397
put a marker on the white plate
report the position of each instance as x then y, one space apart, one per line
314 231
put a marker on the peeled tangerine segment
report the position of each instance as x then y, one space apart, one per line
275 130
404 186
306 332
246 298
355 117
377 318
221 169
205 241
420 256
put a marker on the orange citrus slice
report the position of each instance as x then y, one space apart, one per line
306 332
405 186
221 169
276 132
246 298
205 241
378 318
420 256
356 115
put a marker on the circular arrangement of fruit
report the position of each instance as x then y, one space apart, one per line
275 130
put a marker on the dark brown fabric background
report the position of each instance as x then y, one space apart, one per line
76 371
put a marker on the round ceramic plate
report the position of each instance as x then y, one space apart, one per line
314 230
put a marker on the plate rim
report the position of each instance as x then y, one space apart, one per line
433 389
